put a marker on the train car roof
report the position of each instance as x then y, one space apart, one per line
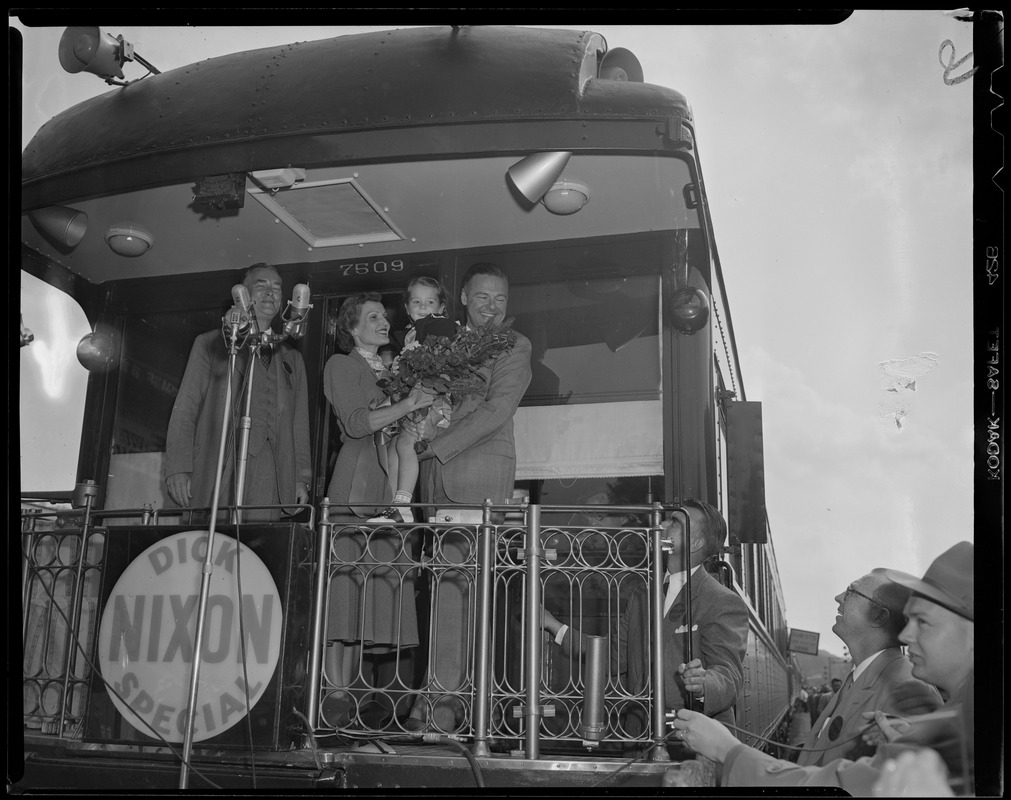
292 104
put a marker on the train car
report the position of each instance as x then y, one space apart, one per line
356 164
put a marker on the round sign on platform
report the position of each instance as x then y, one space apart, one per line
146 641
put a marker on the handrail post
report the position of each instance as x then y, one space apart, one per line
27 570
324 534
656 598
485 609
532 632
84 495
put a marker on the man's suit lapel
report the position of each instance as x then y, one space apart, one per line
284 374
863 687
281 359
471 401
241 362
877 666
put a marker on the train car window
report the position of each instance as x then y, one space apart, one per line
593 410
155 349
593 341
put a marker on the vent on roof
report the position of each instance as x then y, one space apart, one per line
330 213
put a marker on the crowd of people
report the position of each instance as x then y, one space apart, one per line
898 719
931 709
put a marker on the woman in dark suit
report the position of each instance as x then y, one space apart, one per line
371 601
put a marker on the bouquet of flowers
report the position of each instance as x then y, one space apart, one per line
449 366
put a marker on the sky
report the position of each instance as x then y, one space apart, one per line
839 170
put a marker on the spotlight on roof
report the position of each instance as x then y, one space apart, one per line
66 226
535 174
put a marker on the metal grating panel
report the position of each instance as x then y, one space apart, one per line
329 213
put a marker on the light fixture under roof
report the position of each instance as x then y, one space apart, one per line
129 239
65 225
282 178
534 175
566 197
330 213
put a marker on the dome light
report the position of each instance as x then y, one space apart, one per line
128 239
566 197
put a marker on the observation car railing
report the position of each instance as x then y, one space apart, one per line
64 544
481 574
489 568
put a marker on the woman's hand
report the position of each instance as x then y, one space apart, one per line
419 398
705 736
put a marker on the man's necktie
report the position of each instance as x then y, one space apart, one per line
265 355
674 586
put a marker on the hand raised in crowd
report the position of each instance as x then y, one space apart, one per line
915 773
705 736
694 676
178 486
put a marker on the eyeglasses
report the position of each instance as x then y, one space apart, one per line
850 590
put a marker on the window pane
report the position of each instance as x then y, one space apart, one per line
53 386
593 340
155 350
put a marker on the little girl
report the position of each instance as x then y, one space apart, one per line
425 301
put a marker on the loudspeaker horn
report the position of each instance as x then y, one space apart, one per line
87 48
620 65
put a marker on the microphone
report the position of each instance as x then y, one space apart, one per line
240 296
297 311
237 320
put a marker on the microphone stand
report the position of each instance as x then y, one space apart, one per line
205 580
259 339
244 427
267 337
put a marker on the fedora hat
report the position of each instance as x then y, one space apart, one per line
947 582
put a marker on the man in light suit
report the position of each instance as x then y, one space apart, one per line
471 461
714 677
940 634
279 461
869 622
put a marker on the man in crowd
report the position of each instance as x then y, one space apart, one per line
818 700
472 460
939 633
714 677
279 462
869 622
